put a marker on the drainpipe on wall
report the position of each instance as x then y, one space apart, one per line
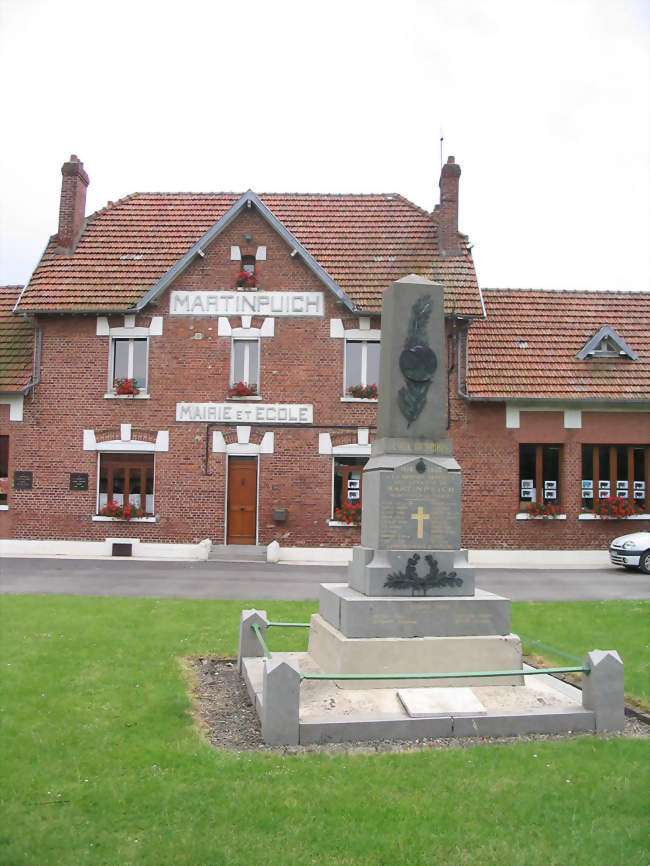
462 354
35 378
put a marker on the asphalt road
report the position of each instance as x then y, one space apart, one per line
242 580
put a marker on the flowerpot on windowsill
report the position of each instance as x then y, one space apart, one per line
241 390
246 280
362 392
122 512
348 514
126 387
544 511
615 508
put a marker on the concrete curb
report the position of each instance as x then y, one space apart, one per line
301 556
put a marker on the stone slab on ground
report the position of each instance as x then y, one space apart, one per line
424 703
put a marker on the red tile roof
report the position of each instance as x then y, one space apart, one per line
16 343
364 242
526 347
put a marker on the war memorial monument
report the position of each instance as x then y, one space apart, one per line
410 608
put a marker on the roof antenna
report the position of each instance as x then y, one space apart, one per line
441 140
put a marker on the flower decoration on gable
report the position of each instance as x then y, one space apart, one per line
246 279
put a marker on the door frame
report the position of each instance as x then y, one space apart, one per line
257 494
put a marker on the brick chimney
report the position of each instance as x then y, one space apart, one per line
72 209
448 239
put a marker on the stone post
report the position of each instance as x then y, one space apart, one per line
602 689
281 702
249 645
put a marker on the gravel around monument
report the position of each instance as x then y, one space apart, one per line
223 710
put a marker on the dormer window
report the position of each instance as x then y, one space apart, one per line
607 344
607 348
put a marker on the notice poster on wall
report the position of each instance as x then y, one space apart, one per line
639 490
587 489
622 488
550 490
353 495
604 488
527 489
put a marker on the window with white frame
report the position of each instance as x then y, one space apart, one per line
126 479
129 361
361 368
245 363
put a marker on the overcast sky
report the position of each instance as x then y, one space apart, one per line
544 105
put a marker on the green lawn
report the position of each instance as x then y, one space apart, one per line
104 766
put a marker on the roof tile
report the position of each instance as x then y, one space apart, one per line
16 343
364 242
527 345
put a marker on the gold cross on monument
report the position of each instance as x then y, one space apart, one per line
420 516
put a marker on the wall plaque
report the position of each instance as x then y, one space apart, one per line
23 480
247 413
78 481
206 303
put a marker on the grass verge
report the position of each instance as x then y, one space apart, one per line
104 764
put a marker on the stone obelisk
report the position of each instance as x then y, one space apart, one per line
410 604
411 484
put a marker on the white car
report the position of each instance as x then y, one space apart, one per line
631 551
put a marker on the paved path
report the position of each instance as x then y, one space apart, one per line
279 581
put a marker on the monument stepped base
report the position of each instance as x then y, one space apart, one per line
328 714
333 653
359 615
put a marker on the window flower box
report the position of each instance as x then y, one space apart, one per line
126 387
615 508
350 514
242 389
544 510
362 392
121 512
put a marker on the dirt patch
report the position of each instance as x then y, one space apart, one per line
226 715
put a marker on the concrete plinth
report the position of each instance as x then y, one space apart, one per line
358 615
334 653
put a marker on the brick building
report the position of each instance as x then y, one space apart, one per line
206 361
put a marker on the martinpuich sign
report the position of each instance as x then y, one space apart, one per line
246 413
247 304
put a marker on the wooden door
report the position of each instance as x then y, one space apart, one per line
242 500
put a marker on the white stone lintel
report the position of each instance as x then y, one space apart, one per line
15 403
